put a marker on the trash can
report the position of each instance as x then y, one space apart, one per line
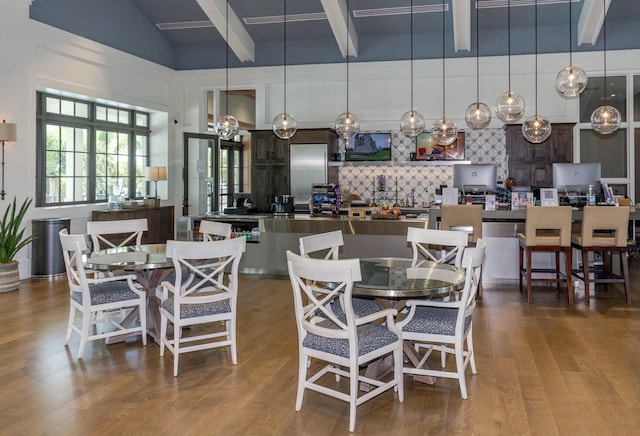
46 252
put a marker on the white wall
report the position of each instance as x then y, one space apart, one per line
39 57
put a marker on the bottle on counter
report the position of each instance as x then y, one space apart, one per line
591 196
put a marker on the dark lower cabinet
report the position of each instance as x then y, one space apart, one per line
160 221
531 164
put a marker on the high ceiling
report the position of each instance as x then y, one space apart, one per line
191 34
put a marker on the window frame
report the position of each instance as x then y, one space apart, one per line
92 125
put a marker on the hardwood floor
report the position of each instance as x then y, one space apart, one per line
543 368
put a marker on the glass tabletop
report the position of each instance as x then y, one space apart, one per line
401 278
136 257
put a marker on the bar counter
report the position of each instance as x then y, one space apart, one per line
366 237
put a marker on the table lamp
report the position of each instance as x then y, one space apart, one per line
156 174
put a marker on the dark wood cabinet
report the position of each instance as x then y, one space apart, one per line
270 166
160 221
530 164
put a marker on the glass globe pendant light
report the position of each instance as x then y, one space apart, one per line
509 106
606 118
412 121
536 129
347 124
227 126
477 115
284 125
444 131
571 80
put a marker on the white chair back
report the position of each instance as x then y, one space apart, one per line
329 241
72 248
440 246
214 230
102 232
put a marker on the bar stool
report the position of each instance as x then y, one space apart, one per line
603 230
467 218
547 229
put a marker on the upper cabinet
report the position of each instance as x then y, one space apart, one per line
530 164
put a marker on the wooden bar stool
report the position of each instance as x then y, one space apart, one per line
547 229
464 218
603 230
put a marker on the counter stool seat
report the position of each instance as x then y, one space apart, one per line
603 230
547 229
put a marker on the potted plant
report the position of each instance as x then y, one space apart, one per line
12 240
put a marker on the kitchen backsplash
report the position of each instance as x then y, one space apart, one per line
406 182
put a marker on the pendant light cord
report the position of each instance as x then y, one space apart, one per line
285 58
604 36
570 36
411 55
444 85
477 57
348 37
509 40
536 56
227 60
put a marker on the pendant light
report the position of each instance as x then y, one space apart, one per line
284 125
477 115
347 124
571 80
227 126
536 129
606 118
444 131
509 105
412 121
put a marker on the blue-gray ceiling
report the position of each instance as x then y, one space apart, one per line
383 34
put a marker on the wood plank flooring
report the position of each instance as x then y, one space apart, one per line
544 368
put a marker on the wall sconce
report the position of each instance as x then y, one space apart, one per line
156 174
8 133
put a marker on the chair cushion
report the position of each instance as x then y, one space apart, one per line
435 321
198 310
370 338
171 278
109 292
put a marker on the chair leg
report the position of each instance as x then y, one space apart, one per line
557 256
72 317
624 261
521 263
472 355
163 333
353 396
529 290
397 372
231 328
303 364
86 325
567 262
460 369
176 348
606 266
585 272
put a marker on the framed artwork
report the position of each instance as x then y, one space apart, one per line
428 149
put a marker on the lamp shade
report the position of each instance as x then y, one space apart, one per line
155 174
8 132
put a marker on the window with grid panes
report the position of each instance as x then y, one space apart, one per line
88 151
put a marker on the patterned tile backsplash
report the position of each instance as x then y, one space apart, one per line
406 182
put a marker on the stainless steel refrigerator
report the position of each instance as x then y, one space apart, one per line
309 165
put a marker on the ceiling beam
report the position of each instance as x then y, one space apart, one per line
336 11
239 41
591 20
461 16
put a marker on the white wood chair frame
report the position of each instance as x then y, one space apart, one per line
73 247
101 230
314 320
214 230
445 343
441 246
211 287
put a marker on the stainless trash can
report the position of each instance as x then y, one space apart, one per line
46 252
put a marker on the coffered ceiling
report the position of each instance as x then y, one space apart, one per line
191 34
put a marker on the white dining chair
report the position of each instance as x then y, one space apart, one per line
341 343
327 246
215 230
441 246
92 297
209 296
445 326
116 233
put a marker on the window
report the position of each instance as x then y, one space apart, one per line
230 172
89 151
